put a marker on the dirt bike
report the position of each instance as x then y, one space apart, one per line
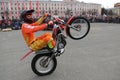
45 62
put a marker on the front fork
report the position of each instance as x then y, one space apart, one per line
54 55
68 24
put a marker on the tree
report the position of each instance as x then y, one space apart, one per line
103 11
2 15
110 12
68 12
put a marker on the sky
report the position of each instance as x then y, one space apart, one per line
104 3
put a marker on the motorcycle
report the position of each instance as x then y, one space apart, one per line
45 62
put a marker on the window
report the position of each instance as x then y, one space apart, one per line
18 8
15 8
15 3
22 8
12 17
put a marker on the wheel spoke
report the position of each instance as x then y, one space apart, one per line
78 28
41 65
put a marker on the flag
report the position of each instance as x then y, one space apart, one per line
18 6
24 6
37 8
3 7
30 5
10 13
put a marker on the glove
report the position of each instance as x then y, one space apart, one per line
46 14
50 23
42 19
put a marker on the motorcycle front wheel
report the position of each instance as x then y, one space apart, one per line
43 65
78 28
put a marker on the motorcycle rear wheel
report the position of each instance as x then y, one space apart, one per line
38 64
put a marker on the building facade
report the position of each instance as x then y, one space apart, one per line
12 8
116 9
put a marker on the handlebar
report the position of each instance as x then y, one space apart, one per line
55 19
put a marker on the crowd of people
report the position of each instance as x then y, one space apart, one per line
15 24
104 19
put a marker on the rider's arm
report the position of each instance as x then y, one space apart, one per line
40 20
30 28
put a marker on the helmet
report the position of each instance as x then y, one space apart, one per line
24 17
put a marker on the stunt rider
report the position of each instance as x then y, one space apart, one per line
29 27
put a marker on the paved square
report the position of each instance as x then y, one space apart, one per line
96 57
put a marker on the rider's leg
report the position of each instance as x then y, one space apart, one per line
42 41
47 37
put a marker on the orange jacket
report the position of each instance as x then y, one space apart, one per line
29 29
